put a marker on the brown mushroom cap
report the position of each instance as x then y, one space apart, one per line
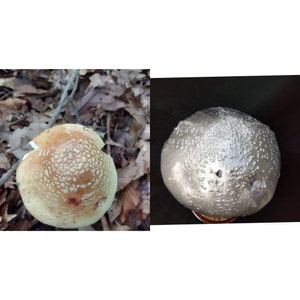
68 181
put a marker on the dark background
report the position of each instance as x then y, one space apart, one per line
274 100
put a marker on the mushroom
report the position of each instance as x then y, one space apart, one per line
221 164
67 181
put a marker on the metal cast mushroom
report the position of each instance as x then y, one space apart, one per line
222 164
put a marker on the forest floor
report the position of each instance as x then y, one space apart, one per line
114 103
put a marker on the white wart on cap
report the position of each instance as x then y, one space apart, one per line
68 181
221 163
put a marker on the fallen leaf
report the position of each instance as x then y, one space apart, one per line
11 182
100 98
127 174
95 81
83 72
93 98
137 91
22 225
118 155
134 218
136 129
114 105
135 169
115 210
3 194
4 162
146 133
138 113
5 217
19 139
117 227
146 207
28 89
126 77
13 103
130 198
8 82
143 159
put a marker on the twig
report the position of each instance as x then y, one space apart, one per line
11 171
105 224
108 147
72 98
76 112
65 98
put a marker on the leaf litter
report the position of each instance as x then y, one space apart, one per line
115 103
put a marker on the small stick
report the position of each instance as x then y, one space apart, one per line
71 97
76 112
64 97
108 147
105 224
11 171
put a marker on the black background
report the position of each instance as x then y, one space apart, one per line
274 100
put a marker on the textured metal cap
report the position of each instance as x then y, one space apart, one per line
222 163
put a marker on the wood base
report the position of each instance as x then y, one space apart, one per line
213 220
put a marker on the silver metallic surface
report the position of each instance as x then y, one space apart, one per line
222 163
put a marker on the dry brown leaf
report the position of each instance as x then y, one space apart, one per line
4 162
126 175
123 137
95 81
146 207
135 217
50 113
145 101
117 227
114 105
130 198
136 129
146 133
13 103
145 194
104 223
138 113
8 82
137 90
18 140
11 182
115 210
28 89
101 99
135 169
3 195
83 72
118 155
22 225
143 159
5 217
93 98
126 77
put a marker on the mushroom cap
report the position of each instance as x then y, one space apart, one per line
68 181
222 163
